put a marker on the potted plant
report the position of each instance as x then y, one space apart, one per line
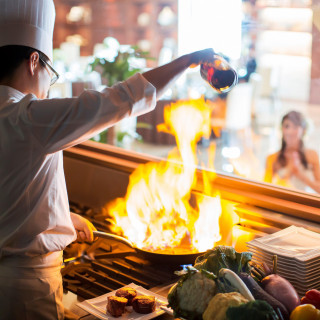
117 63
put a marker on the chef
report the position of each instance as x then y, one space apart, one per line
35 222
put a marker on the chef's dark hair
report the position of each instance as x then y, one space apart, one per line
12 56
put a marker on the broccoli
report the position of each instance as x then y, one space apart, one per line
253 310
190 296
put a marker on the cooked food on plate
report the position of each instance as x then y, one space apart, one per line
116 305
144 304
128 293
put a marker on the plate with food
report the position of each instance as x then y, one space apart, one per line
129 302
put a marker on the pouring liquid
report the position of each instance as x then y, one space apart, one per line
219 75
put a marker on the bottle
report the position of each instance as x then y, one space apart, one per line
219 74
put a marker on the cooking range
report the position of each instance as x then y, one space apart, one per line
93 269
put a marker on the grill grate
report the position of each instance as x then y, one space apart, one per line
90 280
93 269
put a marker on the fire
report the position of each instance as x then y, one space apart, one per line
159 212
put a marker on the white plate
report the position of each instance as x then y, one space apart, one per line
98 306
306 270
295 278
293 242
170 311
289 260
167 310
303 271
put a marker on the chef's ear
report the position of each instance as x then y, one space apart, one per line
33 62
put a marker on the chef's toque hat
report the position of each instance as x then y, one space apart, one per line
27 23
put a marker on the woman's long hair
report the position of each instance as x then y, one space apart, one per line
298 119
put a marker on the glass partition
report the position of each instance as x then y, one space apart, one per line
273 45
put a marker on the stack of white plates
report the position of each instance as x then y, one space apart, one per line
298 252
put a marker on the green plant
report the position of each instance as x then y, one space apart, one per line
118 66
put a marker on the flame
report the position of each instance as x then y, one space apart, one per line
159 212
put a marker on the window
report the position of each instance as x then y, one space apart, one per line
272 44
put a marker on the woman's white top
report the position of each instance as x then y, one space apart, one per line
34 208
294 182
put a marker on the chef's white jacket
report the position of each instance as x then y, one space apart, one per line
34 209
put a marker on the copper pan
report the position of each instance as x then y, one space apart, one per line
160 258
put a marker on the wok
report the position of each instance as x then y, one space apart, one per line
160 258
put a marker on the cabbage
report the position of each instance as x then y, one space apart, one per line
224 257
190 296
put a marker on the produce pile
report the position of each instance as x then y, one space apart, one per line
225 285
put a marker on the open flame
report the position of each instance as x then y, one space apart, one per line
159 212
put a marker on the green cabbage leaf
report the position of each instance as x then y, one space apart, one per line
224 257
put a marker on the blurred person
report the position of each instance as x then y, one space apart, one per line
294 165
251 64
35 221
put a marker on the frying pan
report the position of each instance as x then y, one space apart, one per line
160 258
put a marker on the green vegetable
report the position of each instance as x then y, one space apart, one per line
253 310
190 296
224 257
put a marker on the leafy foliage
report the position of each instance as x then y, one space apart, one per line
253 310
115 69
224 257
119 68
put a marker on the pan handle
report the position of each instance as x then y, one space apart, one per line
111 236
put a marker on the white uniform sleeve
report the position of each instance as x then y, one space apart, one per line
61 123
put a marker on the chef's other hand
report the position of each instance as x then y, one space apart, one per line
198 57
84 227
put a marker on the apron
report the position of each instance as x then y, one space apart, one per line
31 288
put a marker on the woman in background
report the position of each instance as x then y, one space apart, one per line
293 165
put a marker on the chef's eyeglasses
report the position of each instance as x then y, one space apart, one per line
54 74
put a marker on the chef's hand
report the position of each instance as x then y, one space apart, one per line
84 227
162 77
201 56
